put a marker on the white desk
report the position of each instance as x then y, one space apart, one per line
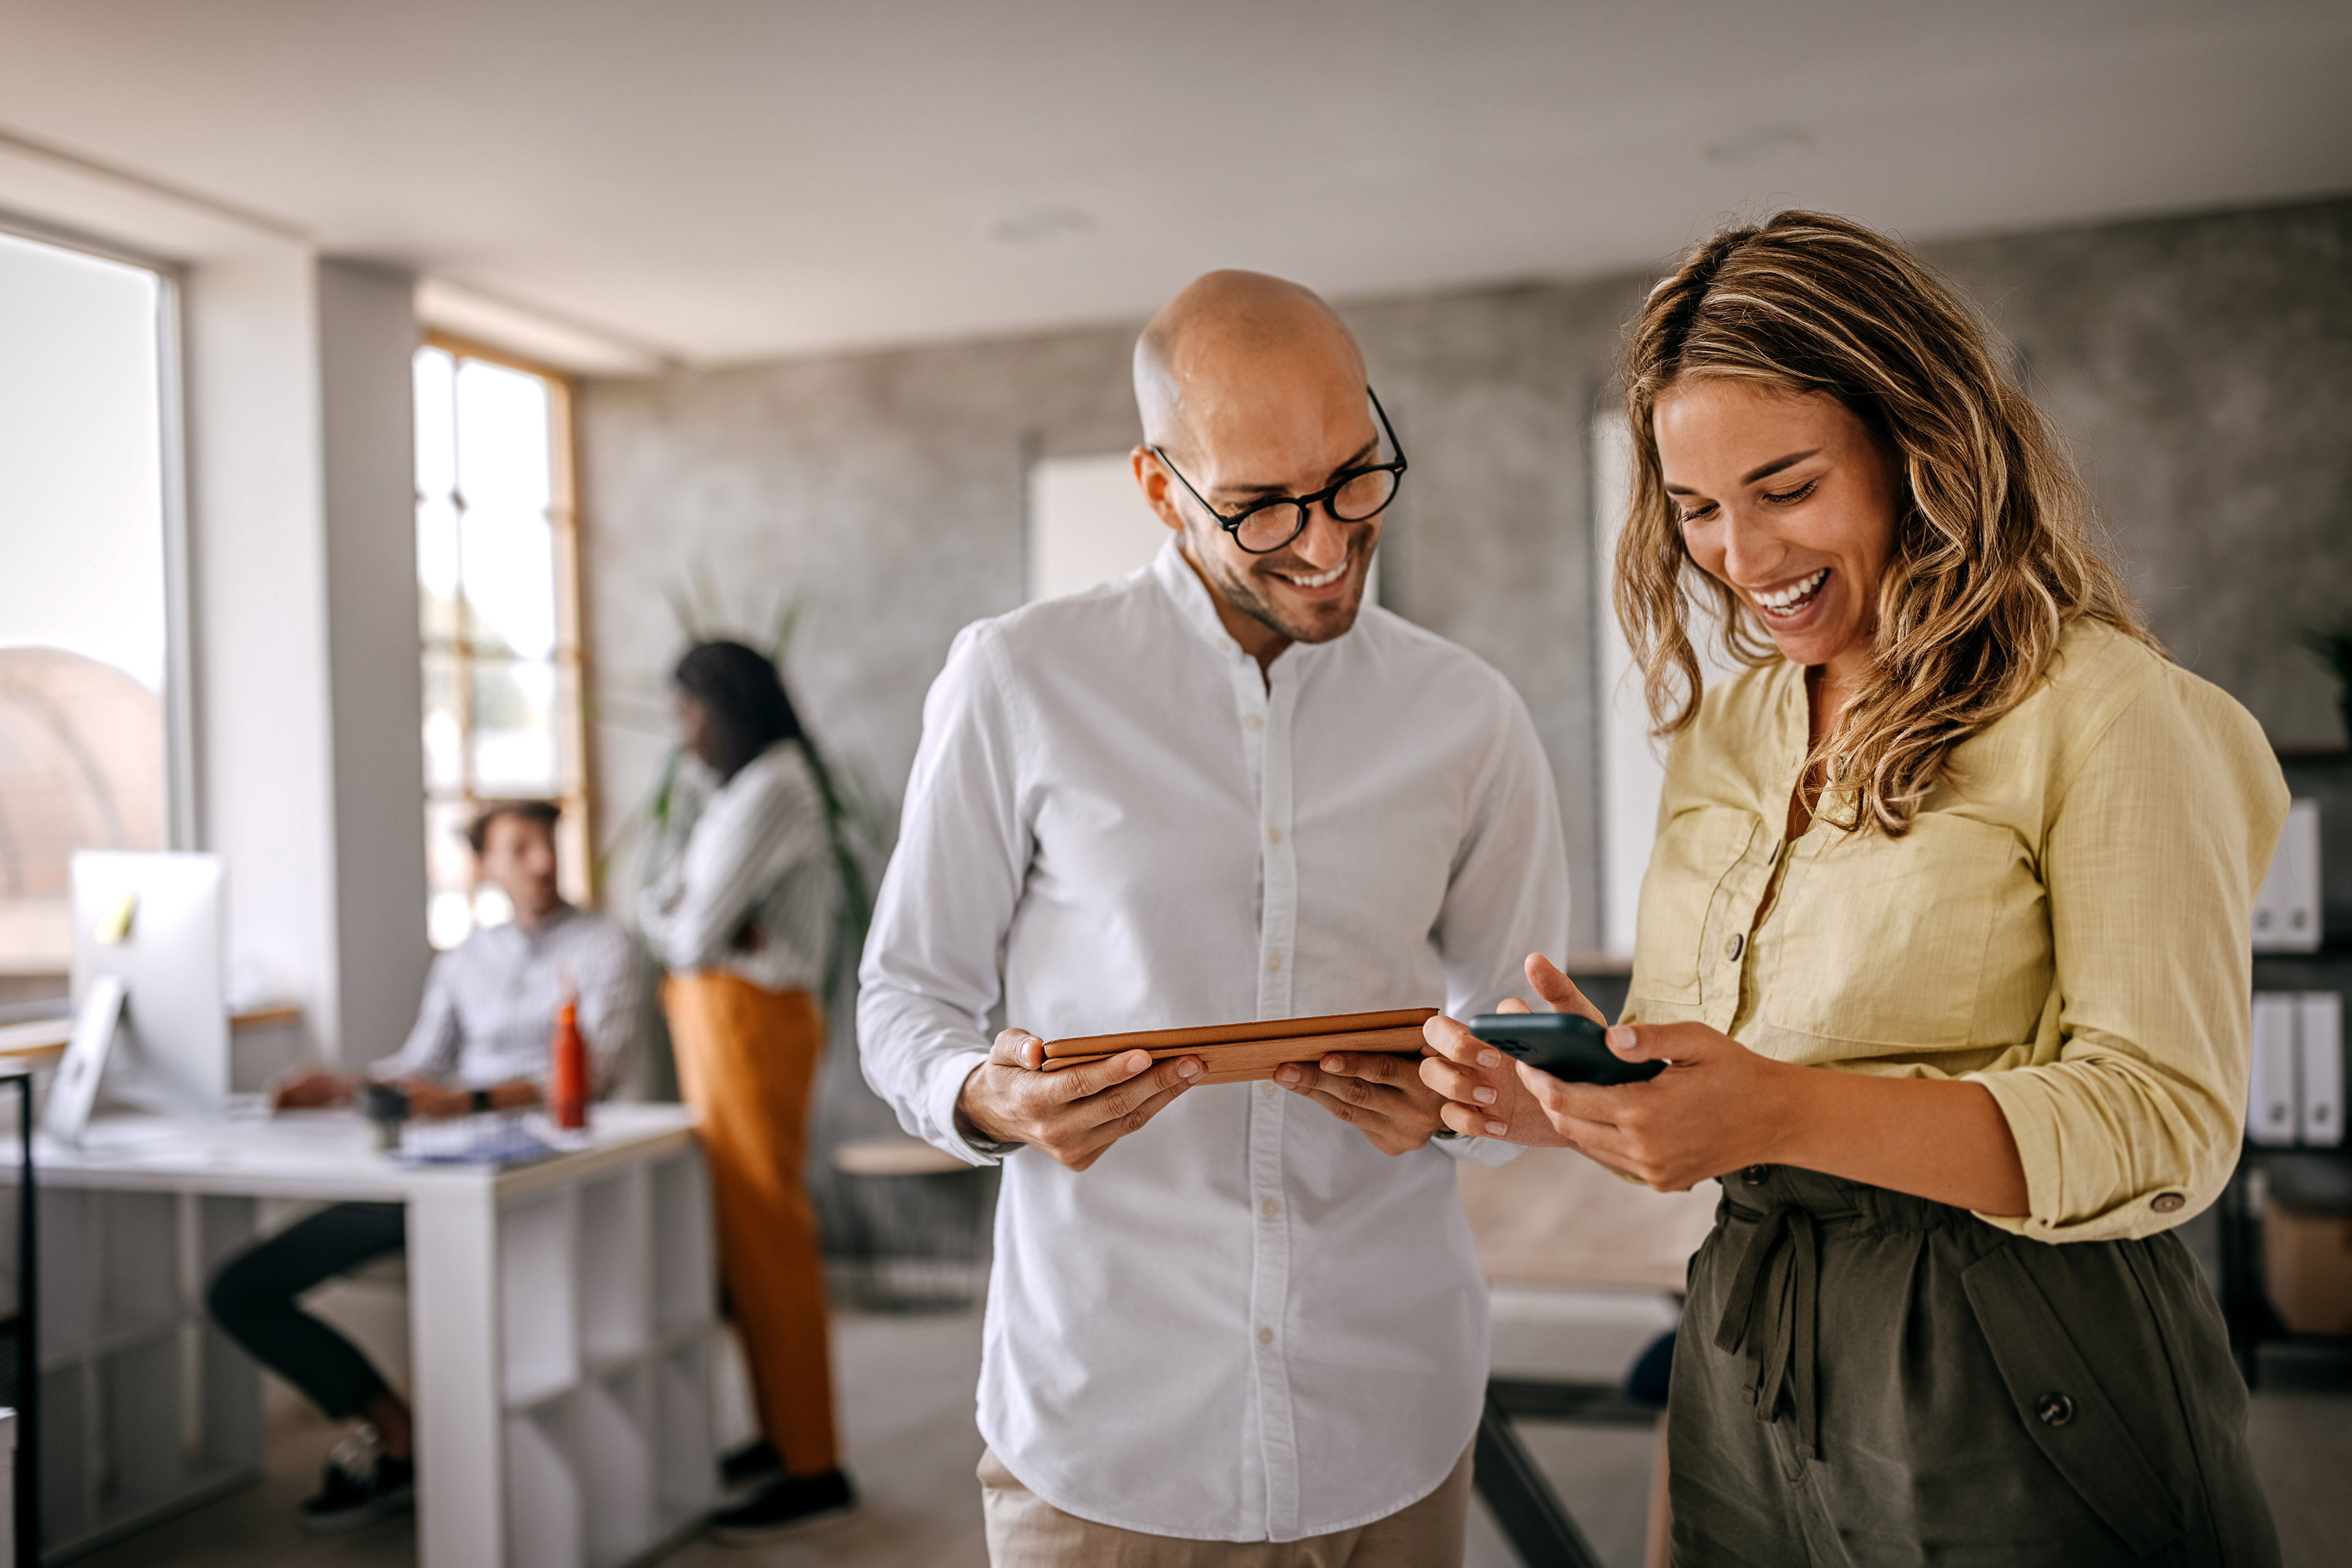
561 1323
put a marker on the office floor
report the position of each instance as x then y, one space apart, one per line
907 1386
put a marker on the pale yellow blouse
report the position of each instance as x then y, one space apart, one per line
2065 924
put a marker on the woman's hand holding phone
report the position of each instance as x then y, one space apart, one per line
1719 1107
1489 1095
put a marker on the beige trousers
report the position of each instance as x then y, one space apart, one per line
1024 1530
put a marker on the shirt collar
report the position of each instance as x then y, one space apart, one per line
558 916
1191 596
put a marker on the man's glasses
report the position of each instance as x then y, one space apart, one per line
1357 496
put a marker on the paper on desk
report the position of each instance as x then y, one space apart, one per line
472 1140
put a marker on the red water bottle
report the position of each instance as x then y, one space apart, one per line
567 1078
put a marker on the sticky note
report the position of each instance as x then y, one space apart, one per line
114 926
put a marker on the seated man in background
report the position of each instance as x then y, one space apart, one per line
481 1043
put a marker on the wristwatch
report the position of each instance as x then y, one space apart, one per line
482 1102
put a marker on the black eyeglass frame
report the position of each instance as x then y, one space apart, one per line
1308 503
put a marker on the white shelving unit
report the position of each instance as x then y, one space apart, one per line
605 1304
563 1327
145 1407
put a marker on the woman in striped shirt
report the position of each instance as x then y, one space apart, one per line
743 920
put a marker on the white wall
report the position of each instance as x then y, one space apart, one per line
1089 522
1632 762
367 340
257 560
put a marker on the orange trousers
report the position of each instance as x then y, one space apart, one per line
746 1061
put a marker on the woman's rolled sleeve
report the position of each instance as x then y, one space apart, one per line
2127 1107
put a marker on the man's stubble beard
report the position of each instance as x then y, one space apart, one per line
1240 588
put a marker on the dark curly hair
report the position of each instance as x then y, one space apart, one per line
743 698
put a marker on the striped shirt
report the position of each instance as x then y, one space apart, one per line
758 859
490 1002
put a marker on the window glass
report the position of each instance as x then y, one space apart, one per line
84 635
494 529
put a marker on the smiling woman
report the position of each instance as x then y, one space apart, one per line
1944 941
1891 440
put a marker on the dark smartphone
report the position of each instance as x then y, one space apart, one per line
1566 1044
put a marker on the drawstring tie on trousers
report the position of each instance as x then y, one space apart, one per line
1771 1310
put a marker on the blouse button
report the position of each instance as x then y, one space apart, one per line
1273 964
2054 1409
1731 949
1253 722
2168 1203
1265 1336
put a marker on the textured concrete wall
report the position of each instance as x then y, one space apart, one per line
2202 368
884 493
2200 365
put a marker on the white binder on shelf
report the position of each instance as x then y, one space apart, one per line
2319 1049
2271 1109
2286 910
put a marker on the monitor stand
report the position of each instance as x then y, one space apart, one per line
79 1074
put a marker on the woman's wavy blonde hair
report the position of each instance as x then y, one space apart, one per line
1994 555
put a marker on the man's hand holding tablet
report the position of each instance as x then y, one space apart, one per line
1072 1115
1358 1067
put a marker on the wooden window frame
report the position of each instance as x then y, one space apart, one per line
577 868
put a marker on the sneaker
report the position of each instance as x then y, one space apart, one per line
361 1485
754 1462
793 1500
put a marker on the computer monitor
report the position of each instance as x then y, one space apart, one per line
157 924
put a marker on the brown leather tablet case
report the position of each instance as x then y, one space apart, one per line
1237 1053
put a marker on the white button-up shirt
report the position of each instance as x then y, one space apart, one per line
490 1002
1243 1322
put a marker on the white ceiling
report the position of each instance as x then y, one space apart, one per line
729 179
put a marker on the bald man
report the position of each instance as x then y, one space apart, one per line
1234 1323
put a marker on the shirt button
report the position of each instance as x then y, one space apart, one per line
1273 835
1266 1089
1757 1175
2168 1203
1273 964
1253 722
1265 1336
2054 1409
1270 1208
1731 949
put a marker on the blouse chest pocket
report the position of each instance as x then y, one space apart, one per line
1884 940
1697 850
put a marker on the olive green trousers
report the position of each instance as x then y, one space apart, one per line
1866 1378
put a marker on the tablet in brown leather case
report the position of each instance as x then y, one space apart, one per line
1237 1053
